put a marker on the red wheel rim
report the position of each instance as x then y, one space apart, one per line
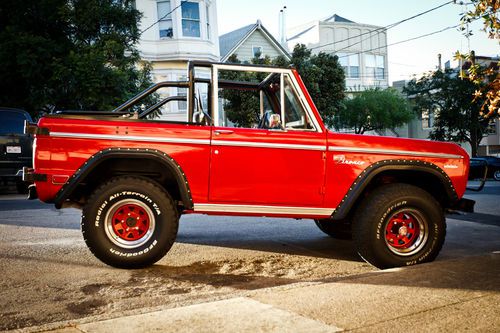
130 222
406 232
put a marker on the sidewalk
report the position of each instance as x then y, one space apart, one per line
455 295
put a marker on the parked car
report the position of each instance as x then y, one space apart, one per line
477 165
16 148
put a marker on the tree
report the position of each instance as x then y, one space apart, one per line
322 75
374 110
458 117
242 107
488 11
69 54
324 79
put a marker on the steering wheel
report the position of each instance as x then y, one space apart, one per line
264 121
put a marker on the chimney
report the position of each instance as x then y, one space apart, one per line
283 26
440 68
280 24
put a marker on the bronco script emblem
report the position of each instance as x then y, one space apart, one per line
340 159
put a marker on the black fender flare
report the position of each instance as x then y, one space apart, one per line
368 174
95 160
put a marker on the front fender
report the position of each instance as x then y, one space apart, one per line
369 174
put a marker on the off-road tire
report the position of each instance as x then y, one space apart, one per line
129 222
335 229
399 225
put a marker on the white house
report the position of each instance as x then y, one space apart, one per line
361 48
175 32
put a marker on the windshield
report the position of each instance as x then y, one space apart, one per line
11 122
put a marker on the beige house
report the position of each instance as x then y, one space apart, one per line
361 48
250 41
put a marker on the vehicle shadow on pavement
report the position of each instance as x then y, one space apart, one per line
284 236
320 247
489 219
477 273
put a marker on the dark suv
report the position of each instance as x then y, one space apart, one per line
477 165
16 148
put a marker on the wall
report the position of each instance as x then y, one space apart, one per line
245 52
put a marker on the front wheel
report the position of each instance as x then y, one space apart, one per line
399 225
129 222
496 175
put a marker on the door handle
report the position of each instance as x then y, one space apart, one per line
218 132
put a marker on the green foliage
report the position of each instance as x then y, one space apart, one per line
458 116
374 109
322 75
242 107
69 54
324 79
489 12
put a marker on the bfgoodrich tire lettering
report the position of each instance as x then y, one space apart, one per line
129 222
399 225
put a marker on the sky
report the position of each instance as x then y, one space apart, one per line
406 59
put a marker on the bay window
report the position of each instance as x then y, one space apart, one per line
350 64
190 19
375 66
165 19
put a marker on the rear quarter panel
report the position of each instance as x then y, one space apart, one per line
67 148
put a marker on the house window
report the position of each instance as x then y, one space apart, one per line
208 21
190 19
257 52
427 119
380 67
350 64
165 19
182 105
375 66
492 127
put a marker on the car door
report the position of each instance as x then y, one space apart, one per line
266 167
276 167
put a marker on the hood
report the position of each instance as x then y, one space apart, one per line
394 145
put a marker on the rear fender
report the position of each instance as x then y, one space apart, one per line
112 153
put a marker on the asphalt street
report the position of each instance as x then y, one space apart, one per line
48 276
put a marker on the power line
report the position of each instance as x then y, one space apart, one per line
164 16
400 64
380 29
401 41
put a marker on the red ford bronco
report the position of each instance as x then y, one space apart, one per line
134 170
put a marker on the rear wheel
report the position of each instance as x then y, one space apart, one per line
399 225
335 229
496 175
129 222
